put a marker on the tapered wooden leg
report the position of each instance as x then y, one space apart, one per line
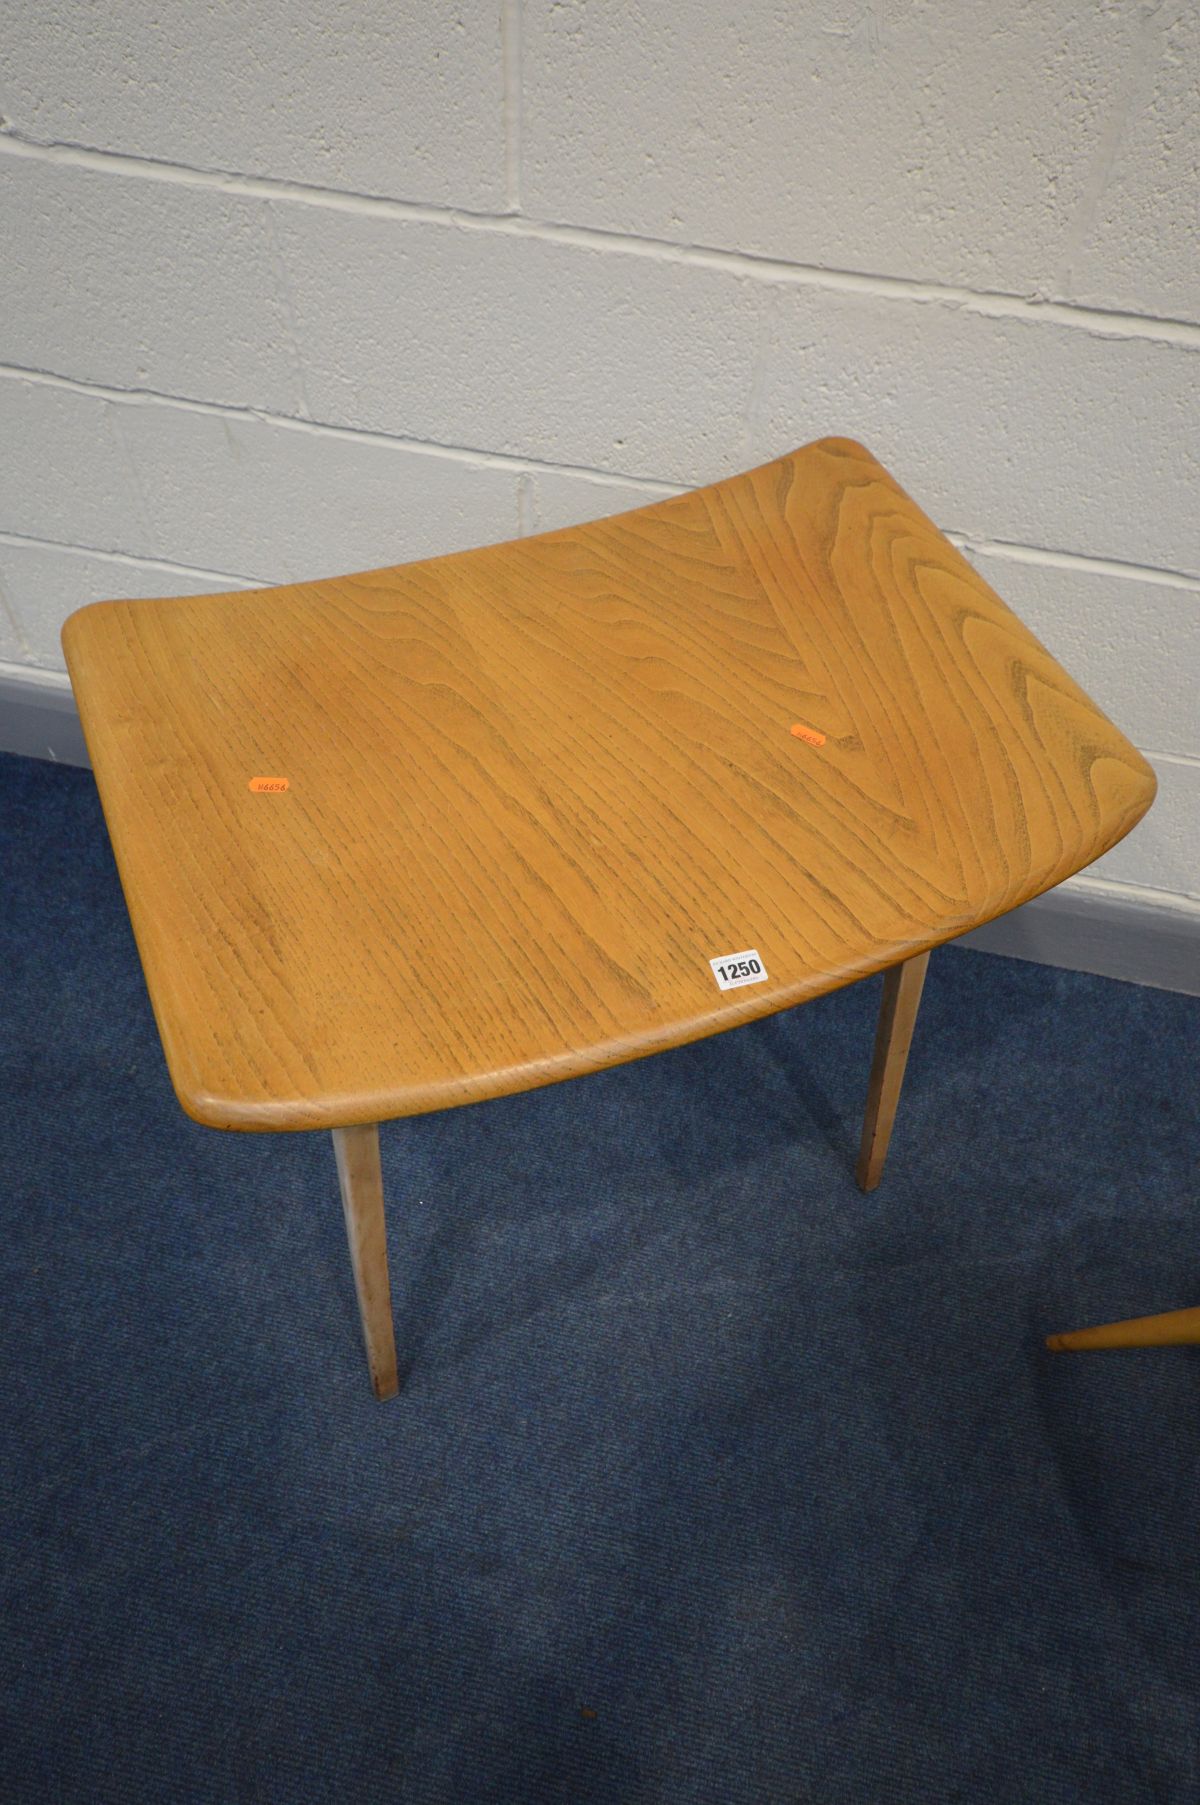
897 1019
361 1181
1175 1328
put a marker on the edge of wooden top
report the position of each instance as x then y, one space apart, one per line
829 443
237 1115
367 1106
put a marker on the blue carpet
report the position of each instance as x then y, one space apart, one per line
711 1479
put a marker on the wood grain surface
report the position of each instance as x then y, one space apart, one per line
533 790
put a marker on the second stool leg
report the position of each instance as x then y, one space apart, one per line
897 1018
361 1180
1175 1328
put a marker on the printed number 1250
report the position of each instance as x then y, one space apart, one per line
733 969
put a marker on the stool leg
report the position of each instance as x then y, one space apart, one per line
897 1019
361 1182
1175 1328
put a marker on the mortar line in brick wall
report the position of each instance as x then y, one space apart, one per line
9 613
1051 559
459 454
526 512
510 29
992 304
1190 759
23 541
1135 77
45 676
1054 558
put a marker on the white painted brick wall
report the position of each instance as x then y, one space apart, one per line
373 97
41 584
264 500
1026 149
292 289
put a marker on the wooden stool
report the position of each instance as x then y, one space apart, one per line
414 838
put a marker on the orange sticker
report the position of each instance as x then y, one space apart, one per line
261 784
812 736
